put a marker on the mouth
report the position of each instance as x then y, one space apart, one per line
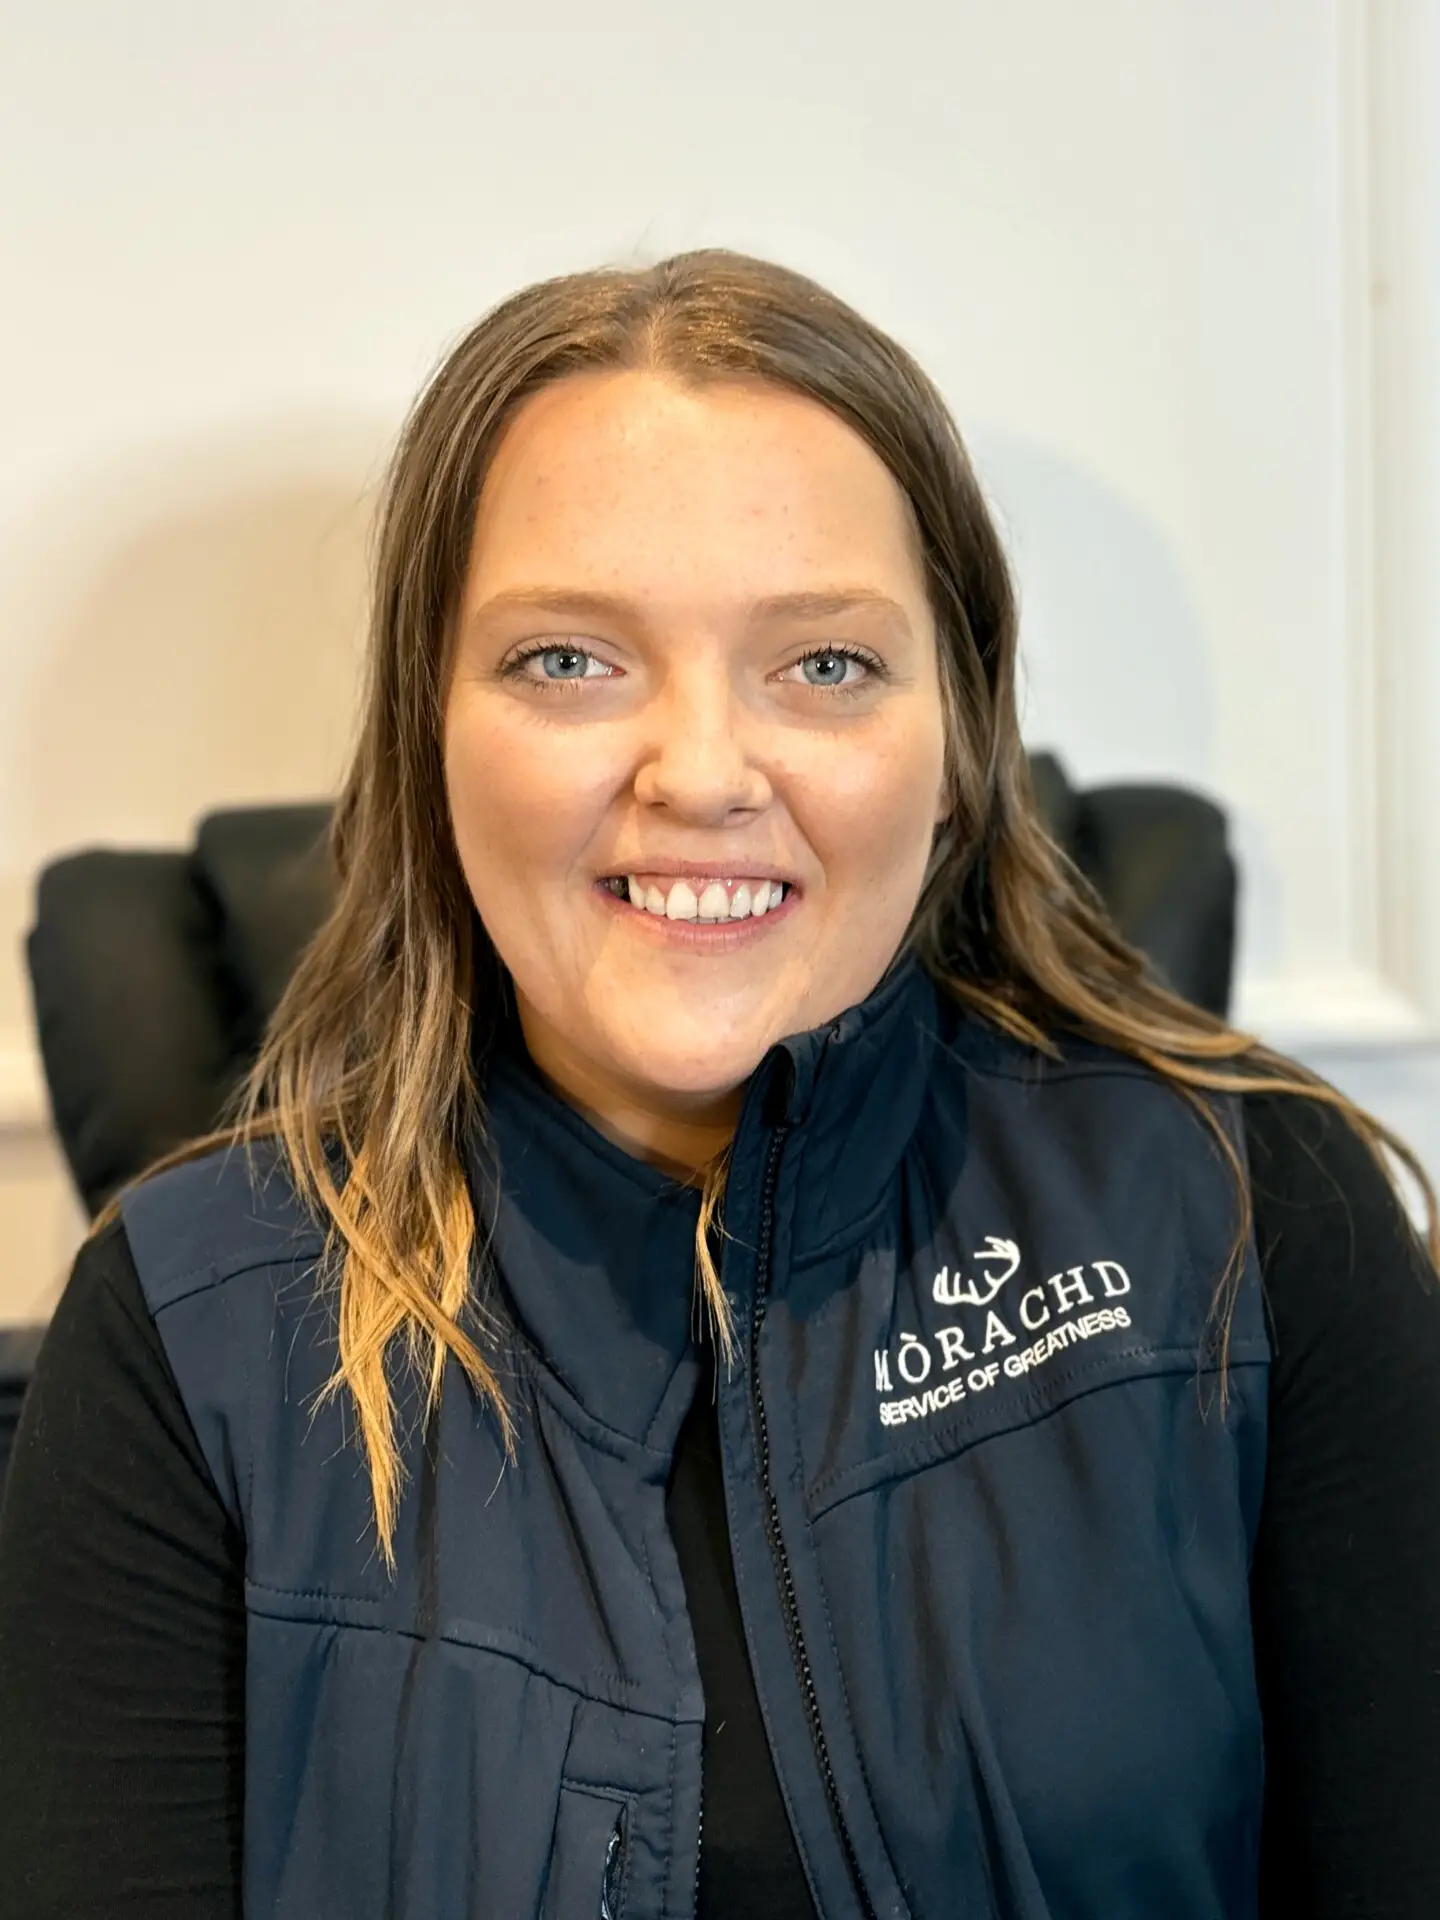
699 900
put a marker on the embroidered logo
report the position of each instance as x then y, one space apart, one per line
978 1293
952 1362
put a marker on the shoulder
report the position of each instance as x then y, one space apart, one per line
1104 1096
967 1043
229 1264
209 1219
1344 1266
1314 1178
1306 1152
102 1396
101 1320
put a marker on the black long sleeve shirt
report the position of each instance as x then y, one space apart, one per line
122 1619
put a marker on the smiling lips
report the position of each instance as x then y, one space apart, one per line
717 901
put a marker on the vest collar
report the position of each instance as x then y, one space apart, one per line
596 1248
852 1092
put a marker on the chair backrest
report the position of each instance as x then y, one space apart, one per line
154 973
152 976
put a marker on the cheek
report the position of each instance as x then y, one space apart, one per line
872 814
526 801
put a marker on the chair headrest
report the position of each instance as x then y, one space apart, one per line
1056 799
268 875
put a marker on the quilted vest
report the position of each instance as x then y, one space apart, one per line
991 1502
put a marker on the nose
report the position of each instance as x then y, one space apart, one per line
699 759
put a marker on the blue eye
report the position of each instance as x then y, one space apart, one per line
562 663
557 667
827 669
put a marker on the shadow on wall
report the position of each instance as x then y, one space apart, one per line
1118 671
1118 675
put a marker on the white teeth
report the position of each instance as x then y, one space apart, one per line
705 901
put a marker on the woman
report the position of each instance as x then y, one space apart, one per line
1039 1519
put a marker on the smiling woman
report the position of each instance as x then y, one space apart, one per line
673 715
1042 1517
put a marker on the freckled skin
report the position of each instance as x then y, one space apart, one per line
694 732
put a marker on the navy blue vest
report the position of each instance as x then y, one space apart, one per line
991 1516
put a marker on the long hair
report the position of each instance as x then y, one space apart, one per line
372 1048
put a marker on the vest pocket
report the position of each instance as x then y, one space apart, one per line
586 1880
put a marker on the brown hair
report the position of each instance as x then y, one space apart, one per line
371 1045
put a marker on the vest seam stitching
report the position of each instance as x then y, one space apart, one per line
669 1812
536 1666
913 1462
1045 1071
247 1426
617 1443
207 1275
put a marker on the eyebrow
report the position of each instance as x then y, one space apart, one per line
774 606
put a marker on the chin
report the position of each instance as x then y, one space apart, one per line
691 1066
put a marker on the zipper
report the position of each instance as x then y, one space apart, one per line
610 1884
699 1838
783 1576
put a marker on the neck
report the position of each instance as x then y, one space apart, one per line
678 1133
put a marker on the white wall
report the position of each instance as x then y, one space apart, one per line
1133 240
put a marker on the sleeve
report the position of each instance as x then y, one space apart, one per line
122 1629
1346 1573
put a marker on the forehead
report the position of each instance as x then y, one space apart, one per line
605 477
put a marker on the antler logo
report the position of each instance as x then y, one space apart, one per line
954 1291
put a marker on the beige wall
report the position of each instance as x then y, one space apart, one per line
1134 242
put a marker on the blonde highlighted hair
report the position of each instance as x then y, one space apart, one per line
373 1045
